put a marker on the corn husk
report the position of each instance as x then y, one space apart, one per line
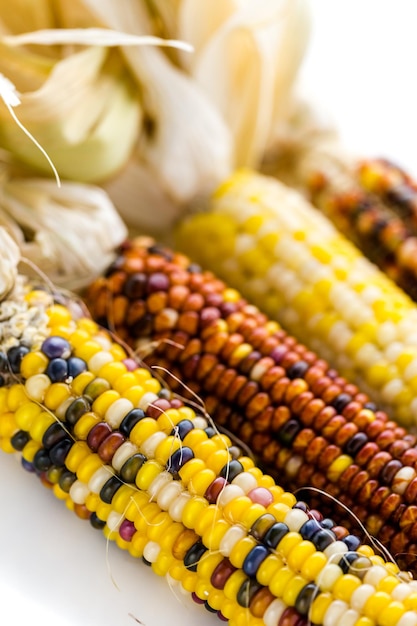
68 234
9 260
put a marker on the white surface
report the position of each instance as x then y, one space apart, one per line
53 566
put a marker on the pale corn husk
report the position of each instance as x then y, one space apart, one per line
246 59
68 234
9 260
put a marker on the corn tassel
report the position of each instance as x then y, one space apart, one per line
306 424
289 260
153 475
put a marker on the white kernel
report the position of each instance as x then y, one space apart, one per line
78 492
169 494
159 483
411 370
104 341
229 493
402 479
401 591
114 520
360 596
295 518
349 618
151 551
374 575
62 409
117 411
293 465
146 400
177 506
335 550
150 444
36 387
391 390
393 351
200 422
409 618
245 481
96 362
258 371
367 355
386 333
274 612
334 612
99 478
122 454
328 576
230 538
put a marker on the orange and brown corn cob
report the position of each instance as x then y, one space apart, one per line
308 425
376 207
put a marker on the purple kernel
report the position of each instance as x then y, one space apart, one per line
158 282
54 347
127 530
130 364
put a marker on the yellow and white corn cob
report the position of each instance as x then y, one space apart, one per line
287 258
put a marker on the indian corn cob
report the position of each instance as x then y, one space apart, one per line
161 482
306 424
287 258
375 205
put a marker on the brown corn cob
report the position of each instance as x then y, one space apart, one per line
306 423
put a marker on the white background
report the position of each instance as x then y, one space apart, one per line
361 68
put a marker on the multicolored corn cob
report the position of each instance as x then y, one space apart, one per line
288 259
375 205
307 425
162 483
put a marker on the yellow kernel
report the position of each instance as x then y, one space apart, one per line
313 565
167 420
39 426
280 580
152 385
6 446
78 452
410 602
7 424
138 543
268 569
292 589
338 466
345 586
213 536
247 463
192 510
92 501
298 555
205 449
134 394
147 473
194 437
118 352
376 603
319 607
165 448
241 550
58 315
33 363
104 401
209 516
207 564
88 324
278 510
251 514
30 450
87 349
233 584
189 469
112 371
235 509
55 395
17 396
288 543
171 535
85 424
391 614
59 493
124 382
138 500
365 550
80 382
200 481
160 524
218 460
88 466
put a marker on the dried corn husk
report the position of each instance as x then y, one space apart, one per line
68 233
9 260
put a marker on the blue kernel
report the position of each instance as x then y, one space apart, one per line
352 542
309 529
179 458
15 356
76 366
57 370
323 539
182 428
274 535
254 559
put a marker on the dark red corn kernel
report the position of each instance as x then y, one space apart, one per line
214 489
109 445
97 435
222 573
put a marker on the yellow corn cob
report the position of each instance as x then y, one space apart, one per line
287 258
125 454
